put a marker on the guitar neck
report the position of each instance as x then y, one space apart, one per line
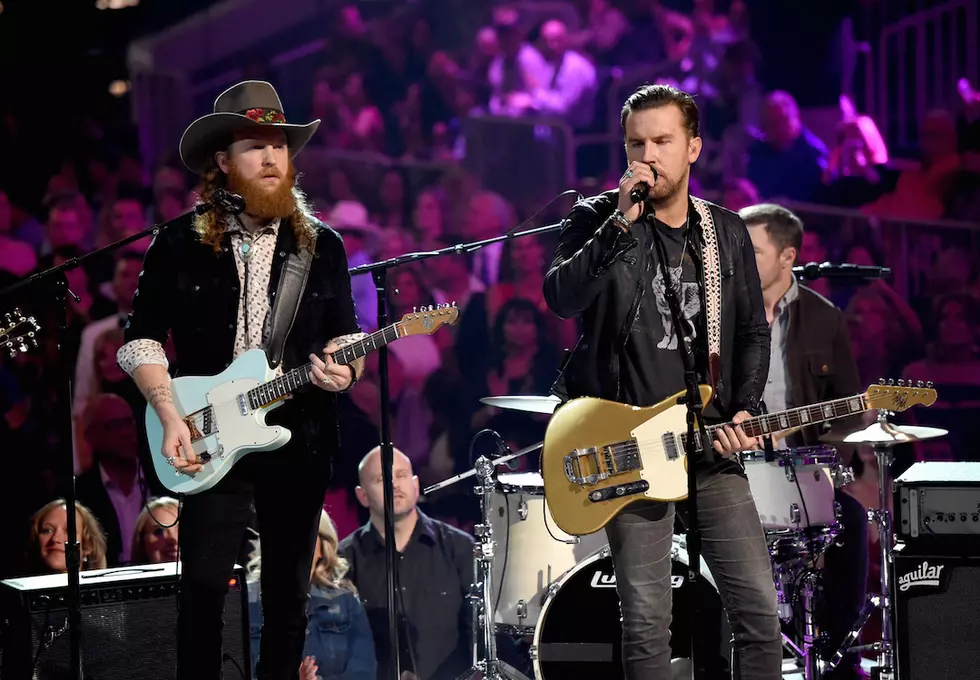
289 382
795 418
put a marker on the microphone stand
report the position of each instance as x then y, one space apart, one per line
379 271
697 442
56 279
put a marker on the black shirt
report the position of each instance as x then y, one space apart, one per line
435 572
651 367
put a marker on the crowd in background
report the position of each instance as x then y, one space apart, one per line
387 88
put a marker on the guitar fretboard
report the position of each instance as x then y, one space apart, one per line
793 418
298 377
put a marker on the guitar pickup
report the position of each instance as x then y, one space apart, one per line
630 489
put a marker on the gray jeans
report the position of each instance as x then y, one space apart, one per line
734 549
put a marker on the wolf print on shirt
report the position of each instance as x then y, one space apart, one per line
690 305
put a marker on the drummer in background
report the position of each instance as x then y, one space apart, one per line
811 361
434 572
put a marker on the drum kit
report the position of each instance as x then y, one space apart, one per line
535 582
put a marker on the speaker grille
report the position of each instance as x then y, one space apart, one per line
128 631
935 628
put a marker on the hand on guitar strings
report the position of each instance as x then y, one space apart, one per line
729 441
327 374
177 448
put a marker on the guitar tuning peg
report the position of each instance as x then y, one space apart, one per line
415 310
920 384
891 382
881 381
929 384
901 383
430 308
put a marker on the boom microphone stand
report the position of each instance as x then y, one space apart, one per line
379 271
55 281
697 445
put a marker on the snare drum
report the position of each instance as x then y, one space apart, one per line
531 552
795 490
579 633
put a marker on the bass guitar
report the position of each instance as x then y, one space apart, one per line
225 413
600 456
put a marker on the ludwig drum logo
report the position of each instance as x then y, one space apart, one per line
924 575
603 580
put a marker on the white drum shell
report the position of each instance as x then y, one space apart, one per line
786 497
530 555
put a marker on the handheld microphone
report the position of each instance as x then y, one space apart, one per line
642 189
844 270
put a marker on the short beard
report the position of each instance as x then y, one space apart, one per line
665 188
260 201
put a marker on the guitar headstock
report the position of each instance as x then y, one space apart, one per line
18 333
905 395
427 320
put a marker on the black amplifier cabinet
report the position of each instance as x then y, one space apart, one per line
129 625
937 614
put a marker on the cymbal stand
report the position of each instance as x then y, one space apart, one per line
487 665
883 600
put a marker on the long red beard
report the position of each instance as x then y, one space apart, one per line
261 201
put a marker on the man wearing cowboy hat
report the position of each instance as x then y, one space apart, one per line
210 283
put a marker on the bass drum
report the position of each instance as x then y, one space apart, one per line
579 634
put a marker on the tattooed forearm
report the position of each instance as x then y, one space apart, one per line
159 394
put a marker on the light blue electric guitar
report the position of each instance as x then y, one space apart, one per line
225 413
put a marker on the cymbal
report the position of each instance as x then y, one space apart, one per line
886 433
527 403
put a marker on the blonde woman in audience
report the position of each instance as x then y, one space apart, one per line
49 533
155 534
339 644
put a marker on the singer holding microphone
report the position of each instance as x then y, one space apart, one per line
212 285
616 256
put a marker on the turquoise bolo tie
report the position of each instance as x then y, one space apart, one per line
245 250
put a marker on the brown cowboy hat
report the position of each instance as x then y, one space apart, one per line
253 103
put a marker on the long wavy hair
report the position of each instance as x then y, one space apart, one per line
330 572
212 225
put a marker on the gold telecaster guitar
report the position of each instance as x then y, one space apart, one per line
600 456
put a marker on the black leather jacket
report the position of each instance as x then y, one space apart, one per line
192 293
597 273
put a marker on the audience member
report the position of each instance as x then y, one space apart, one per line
155 536
112 487
435 570
339 643
789 161
49 533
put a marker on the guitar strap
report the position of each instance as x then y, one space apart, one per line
292 283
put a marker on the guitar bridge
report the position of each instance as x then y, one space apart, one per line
578 464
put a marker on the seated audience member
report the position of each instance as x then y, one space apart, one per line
339 645
155 536
49 533
435 574
113 485
789 161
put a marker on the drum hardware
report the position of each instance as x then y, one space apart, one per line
486 665
882 436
